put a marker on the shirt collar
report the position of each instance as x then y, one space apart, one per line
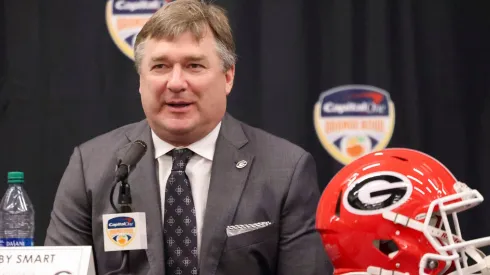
203 147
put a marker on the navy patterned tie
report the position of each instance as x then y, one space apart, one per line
180 232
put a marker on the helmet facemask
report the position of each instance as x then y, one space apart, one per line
441 228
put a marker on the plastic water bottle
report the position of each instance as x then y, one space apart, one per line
16 213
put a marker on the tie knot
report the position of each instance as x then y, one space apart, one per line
180 158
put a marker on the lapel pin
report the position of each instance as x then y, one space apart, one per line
241 164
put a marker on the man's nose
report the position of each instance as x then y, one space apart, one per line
177 81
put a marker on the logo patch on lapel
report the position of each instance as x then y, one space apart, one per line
241 164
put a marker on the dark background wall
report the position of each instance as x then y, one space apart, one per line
63 80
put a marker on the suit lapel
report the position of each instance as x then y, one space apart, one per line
227 182
145 193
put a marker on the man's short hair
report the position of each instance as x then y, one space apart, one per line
181 16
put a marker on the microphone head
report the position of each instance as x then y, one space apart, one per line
134 154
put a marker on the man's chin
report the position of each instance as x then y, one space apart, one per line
179 131
179 126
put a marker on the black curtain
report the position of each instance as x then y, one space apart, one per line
64 81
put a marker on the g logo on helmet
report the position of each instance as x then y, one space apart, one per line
376 193
125 18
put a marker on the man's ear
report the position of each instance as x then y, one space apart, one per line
229 77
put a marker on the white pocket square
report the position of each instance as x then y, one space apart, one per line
233 230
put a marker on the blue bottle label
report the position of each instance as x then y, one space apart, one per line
17 242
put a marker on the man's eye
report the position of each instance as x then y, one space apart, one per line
195 66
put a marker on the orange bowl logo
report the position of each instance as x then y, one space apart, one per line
354 120
125 18
121 230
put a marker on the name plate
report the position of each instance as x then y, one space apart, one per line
47 260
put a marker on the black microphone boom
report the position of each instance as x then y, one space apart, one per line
125 166
134 154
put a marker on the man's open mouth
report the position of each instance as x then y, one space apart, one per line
179 105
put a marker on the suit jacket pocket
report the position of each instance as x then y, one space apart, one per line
251 237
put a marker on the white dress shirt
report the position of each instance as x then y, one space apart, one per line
198 171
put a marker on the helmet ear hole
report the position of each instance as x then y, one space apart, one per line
387 247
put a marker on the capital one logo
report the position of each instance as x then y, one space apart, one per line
376 193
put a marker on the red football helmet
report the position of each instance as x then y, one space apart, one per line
395 212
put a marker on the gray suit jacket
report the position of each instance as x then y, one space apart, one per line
279 185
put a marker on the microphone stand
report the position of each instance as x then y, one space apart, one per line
125 201
134 154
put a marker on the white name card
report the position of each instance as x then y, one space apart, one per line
47 260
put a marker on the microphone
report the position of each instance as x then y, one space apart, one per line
125 166
125 230
134 154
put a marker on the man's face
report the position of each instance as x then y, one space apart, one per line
183 87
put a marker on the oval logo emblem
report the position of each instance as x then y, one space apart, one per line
354 120
126 18
376 193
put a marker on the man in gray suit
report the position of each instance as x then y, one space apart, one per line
220 197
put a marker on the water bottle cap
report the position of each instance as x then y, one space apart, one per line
15 177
